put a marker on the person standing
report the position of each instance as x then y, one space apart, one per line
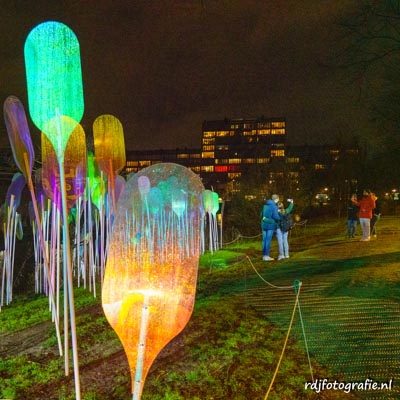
352 217
269 218
366 204
376 214
282 231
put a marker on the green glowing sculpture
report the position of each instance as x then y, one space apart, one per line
54 79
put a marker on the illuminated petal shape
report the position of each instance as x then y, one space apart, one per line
74 165
149 285
54 79
18 133
109 144
15 189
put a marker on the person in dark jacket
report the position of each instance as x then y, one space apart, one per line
352 217
270 217
376 214
282 232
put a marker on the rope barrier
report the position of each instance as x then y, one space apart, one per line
286 340
251 237
268 283
305 339
297 286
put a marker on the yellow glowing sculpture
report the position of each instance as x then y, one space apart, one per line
151 273
74 165
109 144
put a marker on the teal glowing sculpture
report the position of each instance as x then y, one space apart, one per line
54 78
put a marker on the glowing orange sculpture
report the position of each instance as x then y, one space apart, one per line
150 279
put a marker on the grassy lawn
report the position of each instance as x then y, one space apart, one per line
349 302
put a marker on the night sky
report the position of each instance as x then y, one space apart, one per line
162 67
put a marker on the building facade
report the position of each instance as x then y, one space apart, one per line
233 147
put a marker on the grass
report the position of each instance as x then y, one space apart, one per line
230 348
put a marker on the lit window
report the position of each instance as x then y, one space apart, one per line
264 132
207 168
234 175
207 154
209 134
248 160
208 148
209 141
277 124
144 163
222 133
293 160
235 160
319 166
183 155
277 131
221 168
277 153
262 160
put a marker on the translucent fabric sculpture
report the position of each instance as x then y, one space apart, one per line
150 279
55 96
74 165
109 144
211 206
54 79
19 135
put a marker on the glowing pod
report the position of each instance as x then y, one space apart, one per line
54 80
74 165
19 135
150 282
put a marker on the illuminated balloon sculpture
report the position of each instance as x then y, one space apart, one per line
150 279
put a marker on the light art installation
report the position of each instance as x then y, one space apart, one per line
150 279
109 148
10 226
19 135
109 144
21 144
74 160
211 206
54 81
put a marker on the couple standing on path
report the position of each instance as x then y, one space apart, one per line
274 217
